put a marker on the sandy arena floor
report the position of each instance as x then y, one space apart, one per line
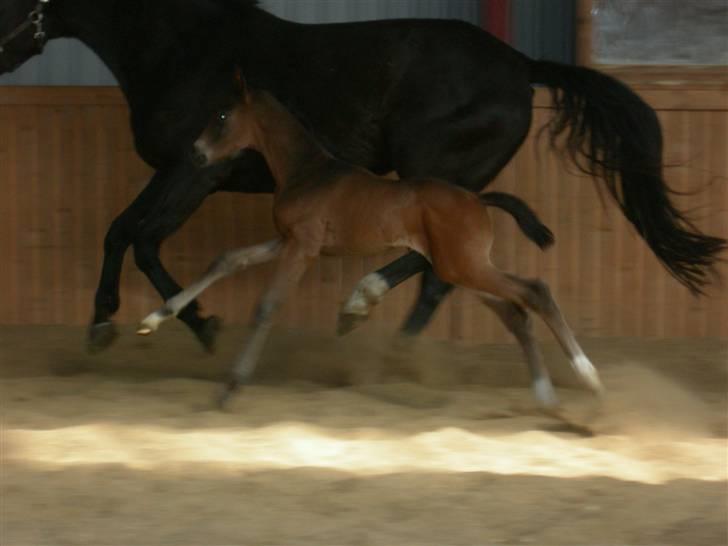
339 444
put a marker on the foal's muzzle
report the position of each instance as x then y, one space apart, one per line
199 159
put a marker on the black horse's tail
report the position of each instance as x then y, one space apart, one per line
613 134
522 213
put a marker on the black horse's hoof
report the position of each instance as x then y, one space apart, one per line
208 333
100 336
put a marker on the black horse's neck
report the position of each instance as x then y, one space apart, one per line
93 23
172 59
137 39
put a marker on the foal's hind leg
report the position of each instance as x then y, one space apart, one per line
519 323
535 295
538 297
224 265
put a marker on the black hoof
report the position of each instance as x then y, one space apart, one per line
208 333
348 322
100 336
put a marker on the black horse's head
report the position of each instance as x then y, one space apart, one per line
23 27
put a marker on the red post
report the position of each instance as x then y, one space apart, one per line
496 18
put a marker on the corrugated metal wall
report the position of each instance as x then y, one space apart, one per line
545 29
69 62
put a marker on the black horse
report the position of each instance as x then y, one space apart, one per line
421 97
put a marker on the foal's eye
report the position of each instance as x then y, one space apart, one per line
221 118
218 125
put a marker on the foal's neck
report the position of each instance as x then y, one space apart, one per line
288 147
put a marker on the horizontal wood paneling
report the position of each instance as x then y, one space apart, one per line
67 167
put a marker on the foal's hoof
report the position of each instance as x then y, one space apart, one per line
100 336
348 322
208 333
588 374
544 392
222 399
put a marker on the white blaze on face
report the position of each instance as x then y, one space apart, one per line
202 148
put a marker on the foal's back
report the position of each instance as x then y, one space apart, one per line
345 209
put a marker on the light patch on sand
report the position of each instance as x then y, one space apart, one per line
369 451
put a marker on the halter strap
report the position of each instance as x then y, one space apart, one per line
34 18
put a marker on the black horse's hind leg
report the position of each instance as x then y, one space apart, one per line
472 165
184 195
498 128
432 292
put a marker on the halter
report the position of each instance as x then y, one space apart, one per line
35 18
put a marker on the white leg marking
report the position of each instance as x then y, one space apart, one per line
544 391
151 322
368 293
231 262
588 373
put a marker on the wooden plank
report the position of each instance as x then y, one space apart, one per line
60 95
67 170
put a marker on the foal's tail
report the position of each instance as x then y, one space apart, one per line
613 134
522 213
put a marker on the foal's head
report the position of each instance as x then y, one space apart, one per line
230 131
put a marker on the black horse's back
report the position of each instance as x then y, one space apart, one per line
612 134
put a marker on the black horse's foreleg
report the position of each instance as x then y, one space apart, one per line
165 204
160 209
119 237
176 204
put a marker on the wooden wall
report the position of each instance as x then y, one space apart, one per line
67 167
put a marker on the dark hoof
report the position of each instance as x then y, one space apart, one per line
208 333
100 336
226 393
348 322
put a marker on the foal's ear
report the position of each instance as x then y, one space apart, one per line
240 86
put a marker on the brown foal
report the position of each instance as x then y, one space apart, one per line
324 206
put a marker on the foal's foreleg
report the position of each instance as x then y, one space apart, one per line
519 323
291 267
223 266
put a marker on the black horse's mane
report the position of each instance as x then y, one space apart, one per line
240 4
